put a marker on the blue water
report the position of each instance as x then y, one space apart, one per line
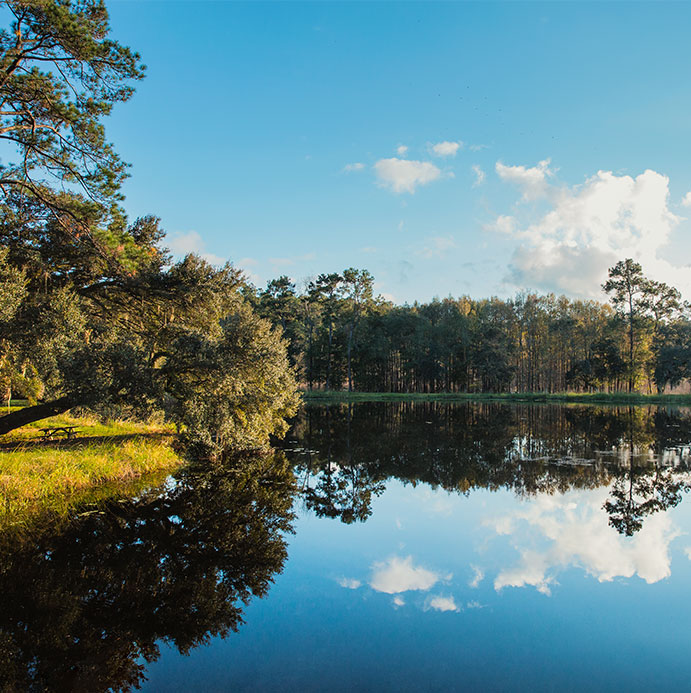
441 591
430 547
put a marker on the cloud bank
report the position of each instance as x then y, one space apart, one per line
575 530
183 243
578 232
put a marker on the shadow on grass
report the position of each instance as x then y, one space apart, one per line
78 441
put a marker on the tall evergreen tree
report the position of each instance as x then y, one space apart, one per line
629 291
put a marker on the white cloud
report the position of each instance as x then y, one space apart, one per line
478 147
350 168
575 530
686 200
531 181
439 502
398 602
478 576
587 228
400 575
446 148
437 246
479 175
530 571
401 150
439 603
244 263
403 175
349 583
503 224
181 244
561 268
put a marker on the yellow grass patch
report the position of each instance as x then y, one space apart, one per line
37 477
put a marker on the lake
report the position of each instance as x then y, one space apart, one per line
384 546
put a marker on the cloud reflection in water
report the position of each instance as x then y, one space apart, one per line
576 532
400 575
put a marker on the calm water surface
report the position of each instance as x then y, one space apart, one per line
387 547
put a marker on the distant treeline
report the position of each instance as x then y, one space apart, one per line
341 336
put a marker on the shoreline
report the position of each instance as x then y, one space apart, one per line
335 396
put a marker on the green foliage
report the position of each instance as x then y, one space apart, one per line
346 453
340 336
12 288
60 74
93 312
645 306
233 389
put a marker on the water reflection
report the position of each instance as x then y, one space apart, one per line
92 606
552 533
87 608
346 453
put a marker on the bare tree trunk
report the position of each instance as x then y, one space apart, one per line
350 373
328 361
630 344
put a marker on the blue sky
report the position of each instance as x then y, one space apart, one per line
449 148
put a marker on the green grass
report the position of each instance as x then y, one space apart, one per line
39 477
88 427
325 396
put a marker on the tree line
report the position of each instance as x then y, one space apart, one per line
340 335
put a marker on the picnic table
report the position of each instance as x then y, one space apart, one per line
69 431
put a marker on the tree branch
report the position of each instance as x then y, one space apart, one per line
28 415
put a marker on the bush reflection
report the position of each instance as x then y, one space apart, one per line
85 608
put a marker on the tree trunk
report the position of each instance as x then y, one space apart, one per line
28 415
310 359
350 373
630 344
328 362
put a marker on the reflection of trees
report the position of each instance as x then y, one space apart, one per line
639 494
344 489
346 454
344 492
82 608
639 491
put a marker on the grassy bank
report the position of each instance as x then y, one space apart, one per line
39 477
326 397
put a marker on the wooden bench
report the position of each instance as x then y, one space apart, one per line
69 431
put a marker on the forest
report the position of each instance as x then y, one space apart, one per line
96 314
341 335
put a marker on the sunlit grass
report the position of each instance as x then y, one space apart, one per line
88 427
38 478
